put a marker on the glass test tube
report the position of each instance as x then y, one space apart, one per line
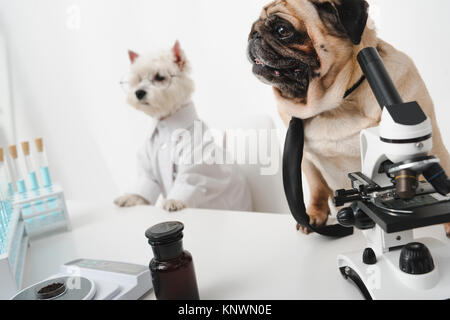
3 228
43 163
7 174
5 218
6 189
4 215
17 170
45 172
32 177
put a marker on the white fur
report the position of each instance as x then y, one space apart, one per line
160 103
130 200
174 205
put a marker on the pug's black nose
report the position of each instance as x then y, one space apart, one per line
140 94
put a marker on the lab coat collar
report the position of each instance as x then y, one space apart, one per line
182 119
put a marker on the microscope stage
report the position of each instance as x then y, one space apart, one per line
428 214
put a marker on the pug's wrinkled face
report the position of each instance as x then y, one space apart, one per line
289 45
282 56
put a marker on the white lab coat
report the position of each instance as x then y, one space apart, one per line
166 166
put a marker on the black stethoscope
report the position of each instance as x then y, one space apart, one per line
292 175
293 184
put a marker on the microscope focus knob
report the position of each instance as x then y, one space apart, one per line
354 217
363 221
369 257
416 259
346 217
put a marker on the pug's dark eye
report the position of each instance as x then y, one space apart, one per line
159 78
283 32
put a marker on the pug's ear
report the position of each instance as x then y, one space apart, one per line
345 16
133 56
179 56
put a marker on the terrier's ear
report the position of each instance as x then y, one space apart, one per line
133 56
179 59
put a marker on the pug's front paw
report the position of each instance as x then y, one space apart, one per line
174 205
130 200
318 217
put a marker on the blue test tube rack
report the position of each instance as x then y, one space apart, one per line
43 207
44 211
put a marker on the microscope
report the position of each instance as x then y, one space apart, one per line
401 188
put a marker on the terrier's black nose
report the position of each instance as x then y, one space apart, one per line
140 94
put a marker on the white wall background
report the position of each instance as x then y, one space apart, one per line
68 56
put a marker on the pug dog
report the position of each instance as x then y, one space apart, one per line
307 51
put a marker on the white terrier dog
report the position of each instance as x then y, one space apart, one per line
161 87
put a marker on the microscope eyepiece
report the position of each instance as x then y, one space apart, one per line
379 79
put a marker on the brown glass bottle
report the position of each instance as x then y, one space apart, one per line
172 267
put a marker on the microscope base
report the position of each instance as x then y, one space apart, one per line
385 281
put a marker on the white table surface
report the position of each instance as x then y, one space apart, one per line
237 255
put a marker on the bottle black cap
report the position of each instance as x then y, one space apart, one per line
164 233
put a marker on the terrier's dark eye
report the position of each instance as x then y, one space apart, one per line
284 32
159 78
